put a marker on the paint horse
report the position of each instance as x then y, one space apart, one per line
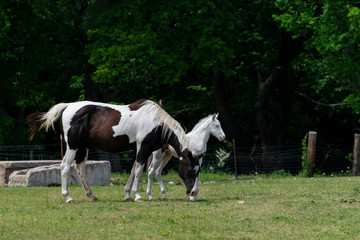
198 138
142 126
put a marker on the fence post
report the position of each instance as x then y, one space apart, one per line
235 163
61 146
311 151
356 154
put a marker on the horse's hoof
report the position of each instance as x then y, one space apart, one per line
139 200
71 201
164 199
127 199
151 198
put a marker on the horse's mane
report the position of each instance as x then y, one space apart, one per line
201 121
169 123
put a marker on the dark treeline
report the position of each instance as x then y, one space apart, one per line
273 69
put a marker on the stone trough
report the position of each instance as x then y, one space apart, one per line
44 173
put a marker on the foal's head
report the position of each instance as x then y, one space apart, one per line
189 169
215 128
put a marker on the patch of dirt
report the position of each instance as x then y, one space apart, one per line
348 201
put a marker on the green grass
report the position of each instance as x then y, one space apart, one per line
253 207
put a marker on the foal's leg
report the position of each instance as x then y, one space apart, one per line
129 184
65 169
154 163
164 160
143 153
80 169
151 171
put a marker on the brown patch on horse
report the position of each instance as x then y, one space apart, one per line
92 126
103 120
137 105
35 122
101 131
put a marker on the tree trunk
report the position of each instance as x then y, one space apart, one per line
222 106
272 119
91 89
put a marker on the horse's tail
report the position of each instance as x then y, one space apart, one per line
40 120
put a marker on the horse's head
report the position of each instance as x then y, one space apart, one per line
215 128
189 169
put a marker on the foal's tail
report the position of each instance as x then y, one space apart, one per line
40 120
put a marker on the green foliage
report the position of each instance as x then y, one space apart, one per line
141 45
354 102
330 30
120 51
280 173
197 88
221 157
350 158
77 83
39 53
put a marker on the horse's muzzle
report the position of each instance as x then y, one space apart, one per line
192 193
222 138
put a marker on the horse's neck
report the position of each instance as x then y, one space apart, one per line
198 139
177 146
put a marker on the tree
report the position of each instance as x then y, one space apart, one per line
331 56
41 49
172 50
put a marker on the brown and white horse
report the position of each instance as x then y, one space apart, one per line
142 126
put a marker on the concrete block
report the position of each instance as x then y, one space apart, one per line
96 173
7 167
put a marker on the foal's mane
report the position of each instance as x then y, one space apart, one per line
201 121
169 123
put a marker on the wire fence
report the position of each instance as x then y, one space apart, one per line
329 159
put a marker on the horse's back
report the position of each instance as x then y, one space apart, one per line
109 127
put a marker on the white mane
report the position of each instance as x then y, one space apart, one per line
201 122
169 123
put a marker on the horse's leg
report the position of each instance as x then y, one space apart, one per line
80 169
135 188
196 189
129 184
164 160
65 169
196 185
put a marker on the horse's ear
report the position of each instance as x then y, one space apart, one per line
191 156
215 116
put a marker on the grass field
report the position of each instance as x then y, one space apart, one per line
253 207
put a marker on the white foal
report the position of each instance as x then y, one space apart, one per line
198 138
